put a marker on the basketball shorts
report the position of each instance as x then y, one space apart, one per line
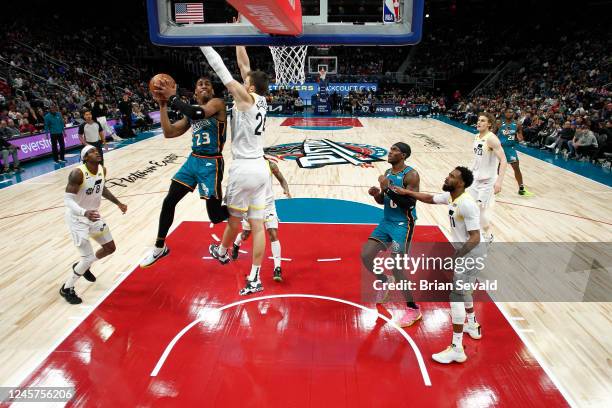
246 191
83 229
270 218
482 191
204 172
511 155
397 235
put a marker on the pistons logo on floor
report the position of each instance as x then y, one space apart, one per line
312 154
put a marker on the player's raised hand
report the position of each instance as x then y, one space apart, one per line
163 90
287 193
374 191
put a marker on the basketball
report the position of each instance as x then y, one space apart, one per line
156 81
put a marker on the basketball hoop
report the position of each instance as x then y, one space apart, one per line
289 64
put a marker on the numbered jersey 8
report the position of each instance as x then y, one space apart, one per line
248 129
89 195
208 136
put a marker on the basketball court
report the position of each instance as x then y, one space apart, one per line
178 333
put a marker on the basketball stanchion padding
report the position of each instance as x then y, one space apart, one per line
281 17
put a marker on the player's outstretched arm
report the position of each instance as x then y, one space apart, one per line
164 92
397 192
171 130
106 193
495 145
281 179
243 61
241 97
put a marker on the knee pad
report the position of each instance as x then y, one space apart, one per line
457 312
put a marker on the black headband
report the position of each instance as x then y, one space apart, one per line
404 148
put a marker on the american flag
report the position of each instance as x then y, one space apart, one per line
189 13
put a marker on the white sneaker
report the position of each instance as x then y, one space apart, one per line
452 353
474 330
154 256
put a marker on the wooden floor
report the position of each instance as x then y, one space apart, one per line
574 340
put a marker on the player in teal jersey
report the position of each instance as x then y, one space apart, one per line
396 229
204 167
510 133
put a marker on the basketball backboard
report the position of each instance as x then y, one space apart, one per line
324 22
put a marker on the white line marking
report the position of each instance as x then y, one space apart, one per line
413 345
282 259
216 238
211 225
329 259
94 307
207 257
530 347
242 252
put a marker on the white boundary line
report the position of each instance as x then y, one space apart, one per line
180 334
81 320
530 347
329 259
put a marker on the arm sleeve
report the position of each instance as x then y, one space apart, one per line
216 63
71 204
403 202
190 111
471 215
441 198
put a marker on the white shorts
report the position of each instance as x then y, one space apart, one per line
270 218
246 191
482 191
82 229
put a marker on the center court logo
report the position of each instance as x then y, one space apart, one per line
312 154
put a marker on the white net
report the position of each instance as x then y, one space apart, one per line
289 64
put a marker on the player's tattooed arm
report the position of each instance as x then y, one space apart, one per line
281 179
75 179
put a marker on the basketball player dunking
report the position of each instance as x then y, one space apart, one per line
84 193
397 226
204 167
270 221
465 231
249 172
510 133
488 158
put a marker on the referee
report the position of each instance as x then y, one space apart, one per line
91 133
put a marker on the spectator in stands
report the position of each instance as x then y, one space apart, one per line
298 105
99 111
7 148
12 127
584 142
26 127
54 125
125 107
91 133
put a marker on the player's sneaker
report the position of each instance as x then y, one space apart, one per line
70 295
278 277
452 353
474 330
235 251
409 317
154 256
214 252
525 193
87 275
251 287
382 295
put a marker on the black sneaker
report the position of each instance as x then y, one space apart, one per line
214 252
235 252
87 275
70 295
278 277
251 287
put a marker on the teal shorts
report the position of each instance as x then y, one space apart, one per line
510 152
204 172
397 234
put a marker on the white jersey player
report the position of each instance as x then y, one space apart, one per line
465 230
489 159
270 221
84 193
248 173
